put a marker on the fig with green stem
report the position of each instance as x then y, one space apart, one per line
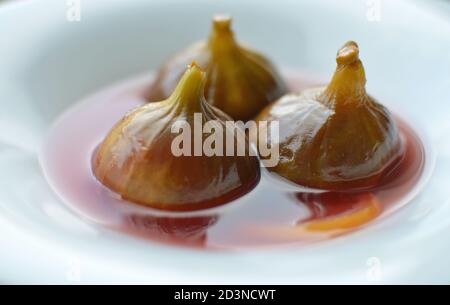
337 137
136 160
240 81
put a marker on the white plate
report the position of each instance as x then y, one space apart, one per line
48 63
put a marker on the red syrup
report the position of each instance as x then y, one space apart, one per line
267 216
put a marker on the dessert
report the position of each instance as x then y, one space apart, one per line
335 138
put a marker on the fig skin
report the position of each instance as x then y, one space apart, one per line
337 137
135 160
240 81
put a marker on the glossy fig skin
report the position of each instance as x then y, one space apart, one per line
136 161
338 137
240 81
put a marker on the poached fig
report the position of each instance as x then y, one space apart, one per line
137 161
337 137
240 81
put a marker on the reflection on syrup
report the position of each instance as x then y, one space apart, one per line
335 213
189 231
271 216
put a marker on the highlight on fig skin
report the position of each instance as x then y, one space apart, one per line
240 81
135 159
337 137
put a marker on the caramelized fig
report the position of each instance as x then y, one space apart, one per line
240 81
137 161
338 137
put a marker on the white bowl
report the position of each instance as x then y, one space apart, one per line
48 63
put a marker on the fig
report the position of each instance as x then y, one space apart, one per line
337 137
136 159
240 81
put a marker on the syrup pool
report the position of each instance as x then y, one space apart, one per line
269 215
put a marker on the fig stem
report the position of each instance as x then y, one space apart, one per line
190 90
221 38
349 79
222 23
348 54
